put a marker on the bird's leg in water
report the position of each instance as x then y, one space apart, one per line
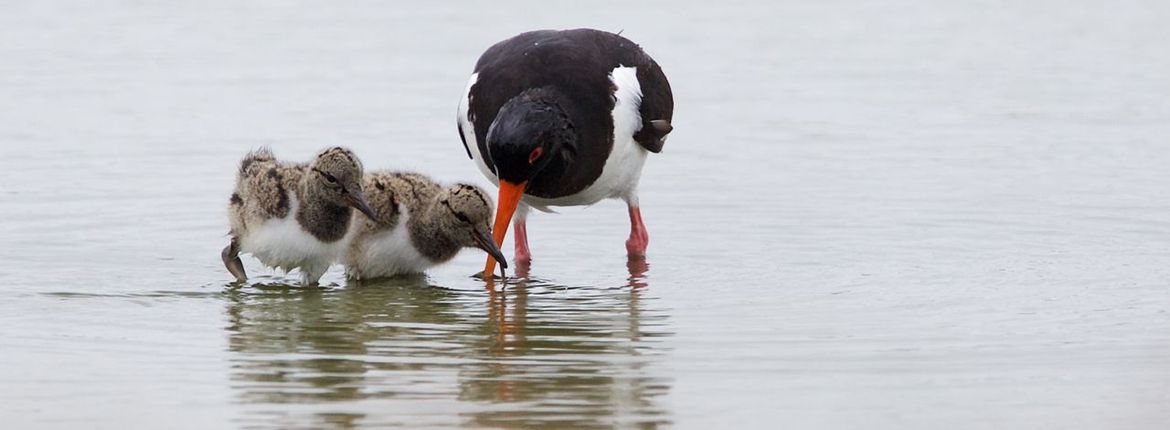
639 238
523 255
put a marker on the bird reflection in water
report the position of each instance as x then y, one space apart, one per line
569 357
534 354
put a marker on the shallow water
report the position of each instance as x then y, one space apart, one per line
894 215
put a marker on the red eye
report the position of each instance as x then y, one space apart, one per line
535 155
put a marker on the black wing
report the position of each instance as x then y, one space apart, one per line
657 107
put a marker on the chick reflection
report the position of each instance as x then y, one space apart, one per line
308 345
537 355
572 358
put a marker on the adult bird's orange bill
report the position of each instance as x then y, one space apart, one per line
510 195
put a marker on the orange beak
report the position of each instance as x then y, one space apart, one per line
510 195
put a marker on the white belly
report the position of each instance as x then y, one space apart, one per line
623 167
386 253
281 243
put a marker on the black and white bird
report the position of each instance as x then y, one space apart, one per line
564 118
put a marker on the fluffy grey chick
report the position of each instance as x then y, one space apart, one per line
419 225
294 215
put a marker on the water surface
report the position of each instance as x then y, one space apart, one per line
887 215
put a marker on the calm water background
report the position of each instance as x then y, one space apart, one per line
871 214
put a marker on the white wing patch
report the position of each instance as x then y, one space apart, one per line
465 124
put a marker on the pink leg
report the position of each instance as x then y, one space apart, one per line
523 255
639 238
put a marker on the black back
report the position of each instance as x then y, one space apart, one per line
577 64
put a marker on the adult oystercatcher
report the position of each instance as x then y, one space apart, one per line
564 118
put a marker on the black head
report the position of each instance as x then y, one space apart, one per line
529 131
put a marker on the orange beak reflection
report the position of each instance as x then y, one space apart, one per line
510 195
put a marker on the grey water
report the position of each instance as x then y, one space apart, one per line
870 215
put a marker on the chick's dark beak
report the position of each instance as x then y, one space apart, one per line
486 243
358 201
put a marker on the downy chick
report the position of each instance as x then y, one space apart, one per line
292 216
418 225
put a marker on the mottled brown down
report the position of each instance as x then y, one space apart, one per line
265 186
440 221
